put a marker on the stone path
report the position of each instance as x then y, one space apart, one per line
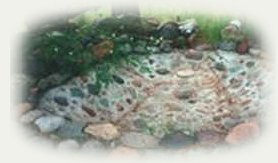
171 98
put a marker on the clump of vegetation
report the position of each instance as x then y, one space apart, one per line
68 48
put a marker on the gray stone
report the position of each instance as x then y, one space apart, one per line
118 79
177 140
162 71
183 94
220 66
71 130
231 122
48 124
139 140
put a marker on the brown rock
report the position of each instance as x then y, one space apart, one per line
242 132
105 131
103 49
137 82
23 108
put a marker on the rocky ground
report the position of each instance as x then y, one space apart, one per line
180 99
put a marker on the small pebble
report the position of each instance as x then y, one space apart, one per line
118 79
162 71
185 73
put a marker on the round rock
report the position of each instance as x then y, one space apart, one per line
48 124
185 73
242 132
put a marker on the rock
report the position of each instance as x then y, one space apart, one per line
194 55
52 81
232 31
122 150
188 27
209 137
61 100
243 47
93 89
137 82
106 131
48 124
23 108
103 49
76 92
227 46
242 132
71 130
183 94
177 140
220 67
30 116
68 145
169 31
236 23
185 73
254 52
162 71
93 145
118 79
231 122
138 140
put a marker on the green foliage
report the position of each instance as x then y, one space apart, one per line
67 47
